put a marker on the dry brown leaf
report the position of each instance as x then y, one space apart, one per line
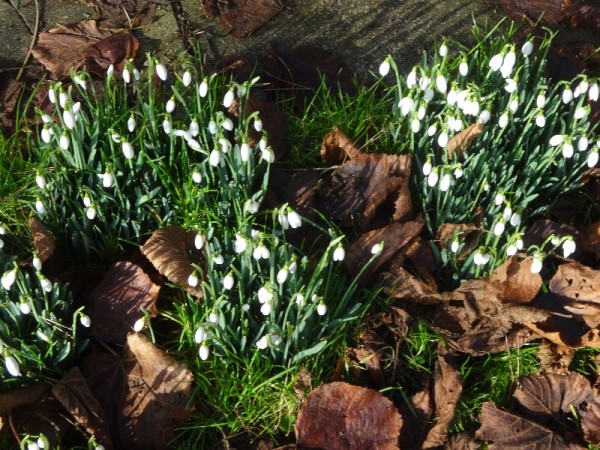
469 234
365 367
171 251
590 239
402 285
462 441
542 229
158 395
337 147
303 383
113 50
550 12
74 394
275 125
514 281
244 17
24 396
120 300
403 208
590 421
43 241
339 416
459 144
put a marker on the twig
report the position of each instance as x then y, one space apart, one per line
33 39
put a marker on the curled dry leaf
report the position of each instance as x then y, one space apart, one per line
542 229
365 367
460 142
590 421
21 397
514 281
114 49
339 416
119 300
171 251
462 441
590 239
43 242
244 17
469 236
337 147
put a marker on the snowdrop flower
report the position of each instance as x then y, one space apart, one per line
131 123
513 106
218 259
262 343
568 246
245 152
485 116
139 325
503 120
580 112
384 68
52 95
294 219
499 228
199 335
593 158
161 71
377 248
68 119
536 265
241 90
228 98
293 265
406 105
196 176
213 317
540 101
266 308
515 219
424 83
136 74
251 206
540 120
62 99
411 79
507 213
45 134
212 127
261 252
583 143
107 178
115 137
300 300
511 250
458 125
12 366
458 172
433 178
110 71
64 141
593 92
90 213
428 95
443 139
508 63
170 106
37 263
527 49
321 308
227 124
415 125
193 279
127 150
431 130
9 278
443 50
496 62
427 167
567 96
451 97
186 78
510 86
258 125
199 241
39 207
463 68
203 88
225 145
421 112
567 150
85 320
478 258
282 275
499 198
262 144
283 220
441 84
40 180
339 253
126 75
228 281
445 182
268 155
203 352
214 159
454 246
557 139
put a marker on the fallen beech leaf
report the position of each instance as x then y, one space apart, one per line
402 285
542 229
158 395
171 251
356 190
590 239
505 430
43 241
125 13
337 147
403 209
515 281
74 394
365 367
21 397
303 383
458 145
339 416
300 192
246 16
549 12
581 284
469 236
112 50
119 300
555 358
590 421
462 441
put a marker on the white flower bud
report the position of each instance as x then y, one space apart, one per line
442 139
568 247
339 253
186 78
240 244
68 119
40 207
540 101
228 98
432 178
377 248
540 120
45 283
282 275
511 250
321 308
258 125
567 96
556 140
496 62
167 126
406 105
445 182
139 325
499 228
218 259
12 366
593 92
196 176
193 279
463 69
384 68
415 125
262 343
64 141
25 308
582 143
110 71
567 150
580 112
294 219
127 150
515 219
454 246
227 124
85 320
527 49
131 123
91 213
37 263
499 199
46 135
200 335
40 180
203 352
592 158
214 159
161 71
203 88
536 265
510 86
485 116
441 84
266 308
52 95
411 79
228 281
126 75
170 106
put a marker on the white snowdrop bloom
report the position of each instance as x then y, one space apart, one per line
268 155
427 168
485 116
451 97
25 308
515 219
228 98
110 70
503 120
9 278
261 252
193 279
443 139
225 145
251 206
510 86
227 124
421 112
508 63
228 281
583 143
213 317
441 83
275 339
218 259
583 86
199 335
443 50
46 135
540 101
126 74
592 158
127 150
68 119
139 325
283 220
258 125
458 125
85 320
293 266
161 71
593 92
40 180
478 258
411 79
499 228
496 62
131 122
580 112
428 95
454 246
458 172
567 96
196 176
431 130
203 88
199 241
463 68
115 137
384 68
540 120
107 179
90 213
424 83
568 247
39 207
214 159
377 248
339 253
12 366
294 219
136 74
203 352
186 78
37 263
170 106
52 95
406 105
245 152
475 108
519 244
64 141
499 198
282 275
262 144
567 150
433 178
513 106
557 139
41 444
507 213
450 122
212 127
555 240
262 343
266 308
300 300
445 182
536 265
241 90
527 49
62 99
321 308
415 125
511 250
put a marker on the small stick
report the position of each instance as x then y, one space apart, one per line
33 39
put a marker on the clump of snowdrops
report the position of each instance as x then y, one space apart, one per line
535 143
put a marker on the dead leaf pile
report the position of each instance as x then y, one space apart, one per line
242 17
